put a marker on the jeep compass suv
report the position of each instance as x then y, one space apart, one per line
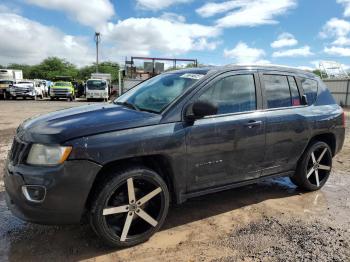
178 135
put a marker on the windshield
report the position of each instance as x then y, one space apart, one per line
61 84
157 93
96 84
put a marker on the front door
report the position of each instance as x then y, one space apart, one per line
227 147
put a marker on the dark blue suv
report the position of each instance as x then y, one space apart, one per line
178 135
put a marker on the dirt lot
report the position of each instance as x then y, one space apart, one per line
269 221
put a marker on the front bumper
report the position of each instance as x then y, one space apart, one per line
22 94
60 93
67 188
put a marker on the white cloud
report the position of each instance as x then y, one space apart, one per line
211 9
140 36
159 4
306 68
10 9
30 42
93 13
341 41
172 17
243 54
335 27
338 30
283 40
337 51
346 4
302 51
247 12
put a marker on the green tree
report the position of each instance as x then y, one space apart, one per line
110 68
86 71
317 72
52 67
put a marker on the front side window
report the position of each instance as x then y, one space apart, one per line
277 91
310 90
232 94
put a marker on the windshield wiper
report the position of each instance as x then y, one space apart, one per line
128 105
148 110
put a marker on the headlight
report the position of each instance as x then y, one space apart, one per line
45 155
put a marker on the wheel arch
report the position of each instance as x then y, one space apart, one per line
159 163
328 138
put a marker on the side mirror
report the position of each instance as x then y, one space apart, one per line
304 100
200 109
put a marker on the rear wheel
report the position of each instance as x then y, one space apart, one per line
314 167
129 207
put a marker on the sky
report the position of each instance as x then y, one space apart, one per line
297 33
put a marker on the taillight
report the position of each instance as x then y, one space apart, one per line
344 122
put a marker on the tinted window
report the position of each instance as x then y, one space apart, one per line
158 92
294 91
277 91
232 94
310 90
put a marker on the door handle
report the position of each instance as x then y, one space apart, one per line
253 123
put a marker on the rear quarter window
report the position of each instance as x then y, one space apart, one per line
310 90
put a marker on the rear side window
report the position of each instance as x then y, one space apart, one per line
294 91
277 91
232 94
310 90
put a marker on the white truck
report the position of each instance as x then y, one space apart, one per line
7 78
97 87
27 89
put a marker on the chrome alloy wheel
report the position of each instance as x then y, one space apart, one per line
319 165
134 208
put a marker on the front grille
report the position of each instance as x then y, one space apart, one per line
59 91
23 90
18 151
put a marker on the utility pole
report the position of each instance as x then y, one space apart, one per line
97 40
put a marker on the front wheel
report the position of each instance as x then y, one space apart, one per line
129 207
314 167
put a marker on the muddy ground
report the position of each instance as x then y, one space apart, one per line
268 221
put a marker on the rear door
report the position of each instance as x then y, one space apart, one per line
286 122
227 147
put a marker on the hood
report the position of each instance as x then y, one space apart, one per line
63 125
28 85
65 86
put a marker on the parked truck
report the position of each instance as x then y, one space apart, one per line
98 86
7 78
32 89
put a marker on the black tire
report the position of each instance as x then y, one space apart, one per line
52 98
114 192
312 175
